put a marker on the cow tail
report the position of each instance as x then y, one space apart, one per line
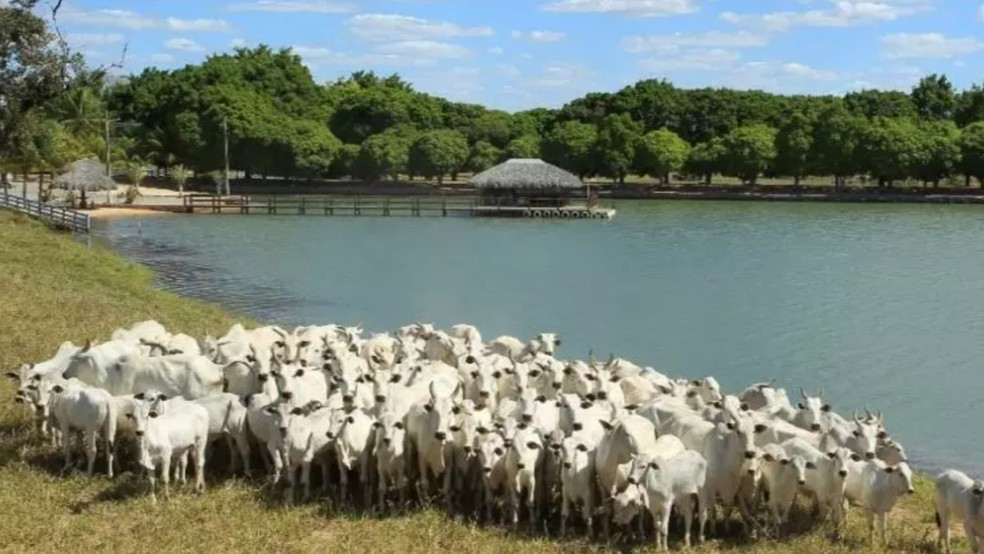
225 420
939 522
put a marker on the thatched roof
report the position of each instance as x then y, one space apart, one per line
526 173
85 174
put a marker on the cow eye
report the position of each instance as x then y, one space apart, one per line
534 374
251 359
800 406
498 451
398 425
532 445
857 433
130 416
429 407
482 430
304 344
395 379
590 377
455 428
281 343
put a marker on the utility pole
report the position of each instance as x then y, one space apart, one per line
225 138
109 171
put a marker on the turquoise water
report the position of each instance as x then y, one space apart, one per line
879 305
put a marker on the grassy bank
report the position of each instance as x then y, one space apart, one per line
52 289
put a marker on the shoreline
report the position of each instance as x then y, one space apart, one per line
101 213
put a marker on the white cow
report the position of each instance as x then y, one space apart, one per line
826 483
184 375
351 432
302 438
390 453
523 458
75 405
959 498
150 331
782 476
577 478
429 434
883 485
227 418
168 433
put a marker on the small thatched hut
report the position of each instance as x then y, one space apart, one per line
526 182
84 176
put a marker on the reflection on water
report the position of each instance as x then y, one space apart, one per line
879 305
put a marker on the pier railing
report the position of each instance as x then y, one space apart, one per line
61 217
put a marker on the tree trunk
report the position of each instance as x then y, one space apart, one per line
440 180
40 186
707 179
796 181
24 186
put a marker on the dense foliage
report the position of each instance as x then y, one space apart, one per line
281 122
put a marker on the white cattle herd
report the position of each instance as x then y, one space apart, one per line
496 429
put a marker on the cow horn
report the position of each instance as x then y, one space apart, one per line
820 393
868 413
430 389
803 392
279 331
88 345
591 356
856 418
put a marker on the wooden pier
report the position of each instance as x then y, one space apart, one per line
60 217
385 206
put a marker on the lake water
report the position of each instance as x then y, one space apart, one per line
878 305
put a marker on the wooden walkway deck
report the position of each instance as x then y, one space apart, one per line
385 206
60 217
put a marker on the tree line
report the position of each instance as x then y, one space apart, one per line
282 123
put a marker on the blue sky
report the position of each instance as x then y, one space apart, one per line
518 54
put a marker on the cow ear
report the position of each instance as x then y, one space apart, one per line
299 373
139 396
456 410
606 424
559 404
825 408
270 410
162 397
730 425
717 404
857 433
395 378
882 435
768 457
350 419
811 465
482 430
474 375
631 407
429 407
12 375
856 457
760 428
496 374
800 406
615 379
568 370
296 411
398 425
541 398
585 405
889 469
57 389
653 465
784 462
744 407
695 382
831 455
304 343
582 448
376 425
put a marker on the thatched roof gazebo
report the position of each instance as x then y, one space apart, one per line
85 175
526 174
526 182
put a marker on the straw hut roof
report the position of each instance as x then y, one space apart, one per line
86 175
526 173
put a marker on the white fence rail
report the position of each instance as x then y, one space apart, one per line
58 216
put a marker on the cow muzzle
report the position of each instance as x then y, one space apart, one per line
869 455
283 431
487 470
138 433
558 386
568 465
802 482
815 427
387 441
577 427
286 395
843 473
440 436
527 418
19 399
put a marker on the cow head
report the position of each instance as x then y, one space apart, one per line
810 412
439 411
546 343
491 450
466 421
526 450
390 433
891 452
349 378
900 479
864 438
627 504
742 433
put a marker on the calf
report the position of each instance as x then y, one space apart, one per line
782 476
352 435
429 435
492 460
577 481
883 484
167 433
960 498
303 436
676 481
523 459
227 417
390 452
75 405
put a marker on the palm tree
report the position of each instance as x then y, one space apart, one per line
136 171
80 110
180 174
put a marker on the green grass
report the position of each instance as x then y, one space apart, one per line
53 289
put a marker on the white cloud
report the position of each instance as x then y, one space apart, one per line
496 51
162 57
94 39
709 39
424 49
507 71
802 71
980 13
928 45
695 60
295 6
560 75
843 13
540 36
392 27
183 44
238 43
637 8
214 25
107 18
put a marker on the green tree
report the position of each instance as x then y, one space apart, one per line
794 143
618 136
706 159
33 71
483 155
439 153
570 145
749 151
493 127
880 103
661 152
180 174
969 106
653 103
836 136
972 151
934 97
385 154
939 154
527 146
890 149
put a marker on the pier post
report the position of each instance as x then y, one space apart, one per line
302 209
444 207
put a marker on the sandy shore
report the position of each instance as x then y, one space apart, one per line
108 213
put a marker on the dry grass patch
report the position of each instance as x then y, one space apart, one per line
54 289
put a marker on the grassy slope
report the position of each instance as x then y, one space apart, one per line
52 289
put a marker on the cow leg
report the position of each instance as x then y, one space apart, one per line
152 477
306 480
531 504
972 538
514 491
423 483
278 464
587 512
565 513
242 443
870 515
230 443
166 474
343 482
291 484
687 507
381 502
883 526
67 449
90 451
703 506
401 485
